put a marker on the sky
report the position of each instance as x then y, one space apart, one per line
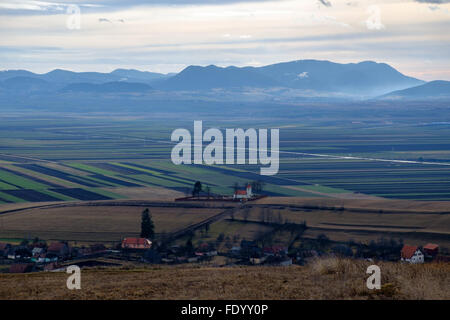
166 36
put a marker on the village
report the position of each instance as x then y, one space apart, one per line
40 255
56 256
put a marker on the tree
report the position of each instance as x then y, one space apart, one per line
262 215
189 246
197 189
323 240
257 186
269 215
208 191
220 238
147 226
246 214
279 218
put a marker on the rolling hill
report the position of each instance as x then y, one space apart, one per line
438 89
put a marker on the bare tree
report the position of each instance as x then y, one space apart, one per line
279 218
246 214
262 216
208 191
269 215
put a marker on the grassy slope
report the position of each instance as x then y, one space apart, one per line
323 279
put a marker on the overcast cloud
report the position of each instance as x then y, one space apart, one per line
166 36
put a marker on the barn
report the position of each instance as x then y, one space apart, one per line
431 249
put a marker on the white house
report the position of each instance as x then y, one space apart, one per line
412 254
243 194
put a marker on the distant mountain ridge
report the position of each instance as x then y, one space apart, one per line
364 78
61 77
287 81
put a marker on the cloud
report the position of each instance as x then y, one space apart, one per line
433 1
437 8
31 7
242 36
329 20
326 3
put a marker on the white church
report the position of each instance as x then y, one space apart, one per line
243 194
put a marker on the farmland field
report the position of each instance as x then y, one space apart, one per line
58 159
88 158
96 223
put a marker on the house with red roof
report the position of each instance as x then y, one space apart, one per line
275 251
136 243
412 254
59 249
243 194
431 249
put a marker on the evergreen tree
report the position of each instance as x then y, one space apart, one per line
197 189
189 246
147 226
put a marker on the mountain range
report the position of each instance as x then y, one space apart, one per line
301 79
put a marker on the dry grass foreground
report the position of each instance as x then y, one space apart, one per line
323 279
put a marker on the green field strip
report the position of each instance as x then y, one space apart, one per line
106 193
100 171
6 186
158 181
50 179
20 181
155 173
88 168
289 192
215 178
105 184
325 189
101 183
57 195
201 174
447 195
11 198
